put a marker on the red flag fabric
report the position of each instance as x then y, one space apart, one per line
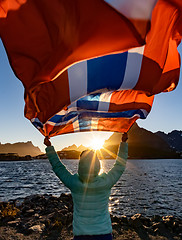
8 5
43 39
111 111
152 68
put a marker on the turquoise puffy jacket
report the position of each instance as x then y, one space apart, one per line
90 199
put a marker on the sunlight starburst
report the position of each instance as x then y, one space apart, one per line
97 143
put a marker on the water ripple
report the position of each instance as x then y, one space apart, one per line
147 186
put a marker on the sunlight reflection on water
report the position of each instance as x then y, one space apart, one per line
147 186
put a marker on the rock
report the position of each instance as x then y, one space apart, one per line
116 226
23 227
37 228
168 221
180 228
51 215
54 214
115 219
63 211
25 209
70 227
135 221
69 218
124 219
36 215
157 225
145 221
59 216
156 218
63 219
161 229
29 212
13 223
149 230
39 209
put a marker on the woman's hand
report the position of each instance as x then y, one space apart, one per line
47 141
124 137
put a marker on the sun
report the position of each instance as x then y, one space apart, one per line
97 143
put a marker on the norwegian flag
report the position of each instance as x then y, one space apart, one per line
91 65
111 111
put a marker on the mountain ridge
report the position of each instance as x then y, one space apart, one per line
173 138
20 148
142 144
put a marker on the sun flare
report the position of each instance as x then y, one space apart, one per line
97 143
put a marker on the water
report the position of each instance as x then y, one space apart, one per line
147 186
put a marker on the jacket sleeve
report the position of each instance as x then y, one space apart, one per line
58 167
115 173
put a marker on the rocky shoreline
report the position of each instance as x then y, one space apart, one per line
50 217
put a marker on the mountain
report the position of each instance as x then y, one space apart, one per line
70 148
71 152
142 144
20 148
174 139
73 147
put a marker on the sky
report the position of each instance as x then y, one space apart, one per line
166 113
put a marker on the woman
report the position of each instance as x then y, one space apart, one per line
90 191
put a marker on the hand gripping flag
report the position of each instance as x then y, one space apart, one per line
93 93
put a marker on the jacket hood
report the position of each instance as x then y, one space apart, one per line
89 166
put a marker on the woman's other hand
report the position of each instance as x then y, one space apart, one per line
47 141
124 137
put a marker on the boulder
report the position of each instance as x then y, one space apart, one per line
13 223
37 228
135 221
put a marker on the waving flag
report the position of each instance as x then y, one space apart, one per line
44 37
60 53
112 111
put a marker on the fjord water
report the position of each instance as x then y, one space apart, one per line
150 187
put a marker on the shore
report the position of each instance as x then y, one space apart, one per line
50 217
